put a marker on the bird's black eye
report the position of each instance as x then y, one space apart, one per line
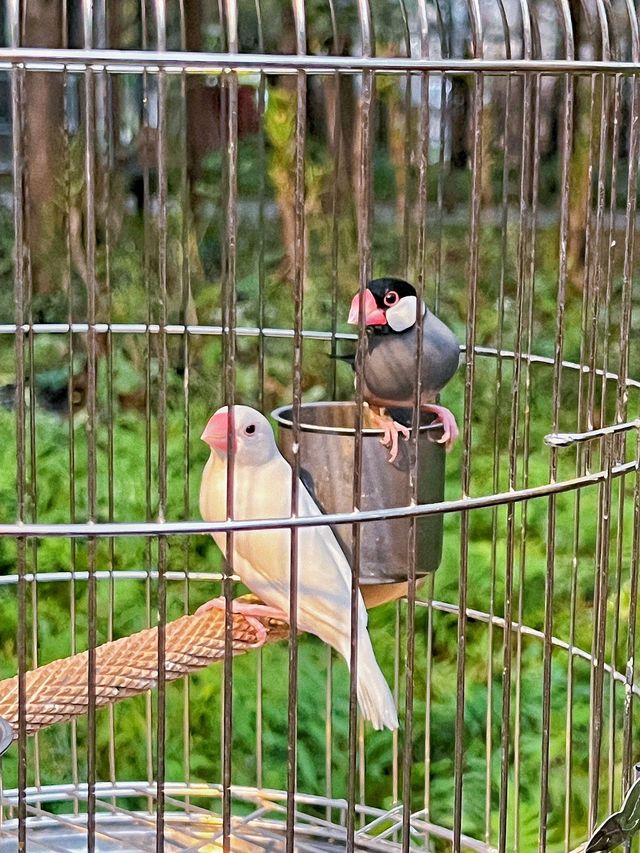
250 429
391 298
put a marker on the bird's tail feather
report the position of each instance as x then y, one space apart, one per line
348 358
374 697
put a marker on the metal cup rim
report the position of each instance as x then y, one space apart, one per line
287 423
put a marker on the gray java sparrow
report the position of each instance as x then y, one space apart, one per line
391 308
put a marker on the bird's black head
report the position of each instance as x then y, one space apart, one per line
389 291
390 305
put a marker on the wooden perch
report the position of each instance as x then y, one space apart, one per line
57 691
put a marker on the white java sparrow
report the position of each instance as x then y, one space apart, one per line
390 314
262 558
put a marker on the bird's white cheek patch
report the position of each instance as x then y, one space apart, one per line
403 314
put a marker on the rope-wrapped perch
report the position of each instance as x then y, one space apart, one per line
57 691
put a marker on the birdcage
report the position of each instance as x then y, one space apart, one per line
191 195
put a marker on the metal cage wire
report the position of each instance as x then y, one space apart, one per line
511 132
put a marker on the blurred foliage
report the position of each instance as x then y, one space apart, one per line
128 458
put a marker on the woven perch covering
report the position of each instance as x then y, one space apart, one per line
58 691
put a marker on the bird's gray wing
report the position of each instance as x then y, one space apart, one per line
440 354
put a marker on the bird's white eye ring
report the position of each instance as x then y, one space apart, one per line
391 298
250 429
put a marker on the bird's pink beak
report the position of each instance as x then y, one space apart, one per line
215 432
373 316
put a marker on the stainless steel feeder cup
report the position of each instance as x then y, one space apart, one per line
327 440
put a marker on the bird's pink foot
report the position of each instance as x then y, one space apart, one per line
390 429
448 422
391 437
253 613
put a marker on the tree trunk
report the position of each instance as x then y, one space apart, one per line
43 149
580 156
203 107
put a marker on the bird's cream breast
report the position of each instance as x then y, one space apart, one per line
254 495
213 490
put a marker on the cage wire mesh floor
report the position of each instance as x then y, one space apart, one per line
261 825
191 194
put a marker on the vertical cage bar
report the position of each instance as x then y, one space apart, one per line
362 768
397 654
31 376
106 160
406 153
610 246
615 642
583 455
630 669
186 309
445 88
298 285
364 215
17 133
161 32
585 417
472 288
497 457
522 289
581 465
414 472
596 704
428 596
336 145
622 395
523 244
529 297
573 599
599 635
262 172
565 183
229 103
147 252
92 368
595 265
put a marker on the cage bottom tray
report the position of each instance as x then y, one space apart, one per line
188 826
